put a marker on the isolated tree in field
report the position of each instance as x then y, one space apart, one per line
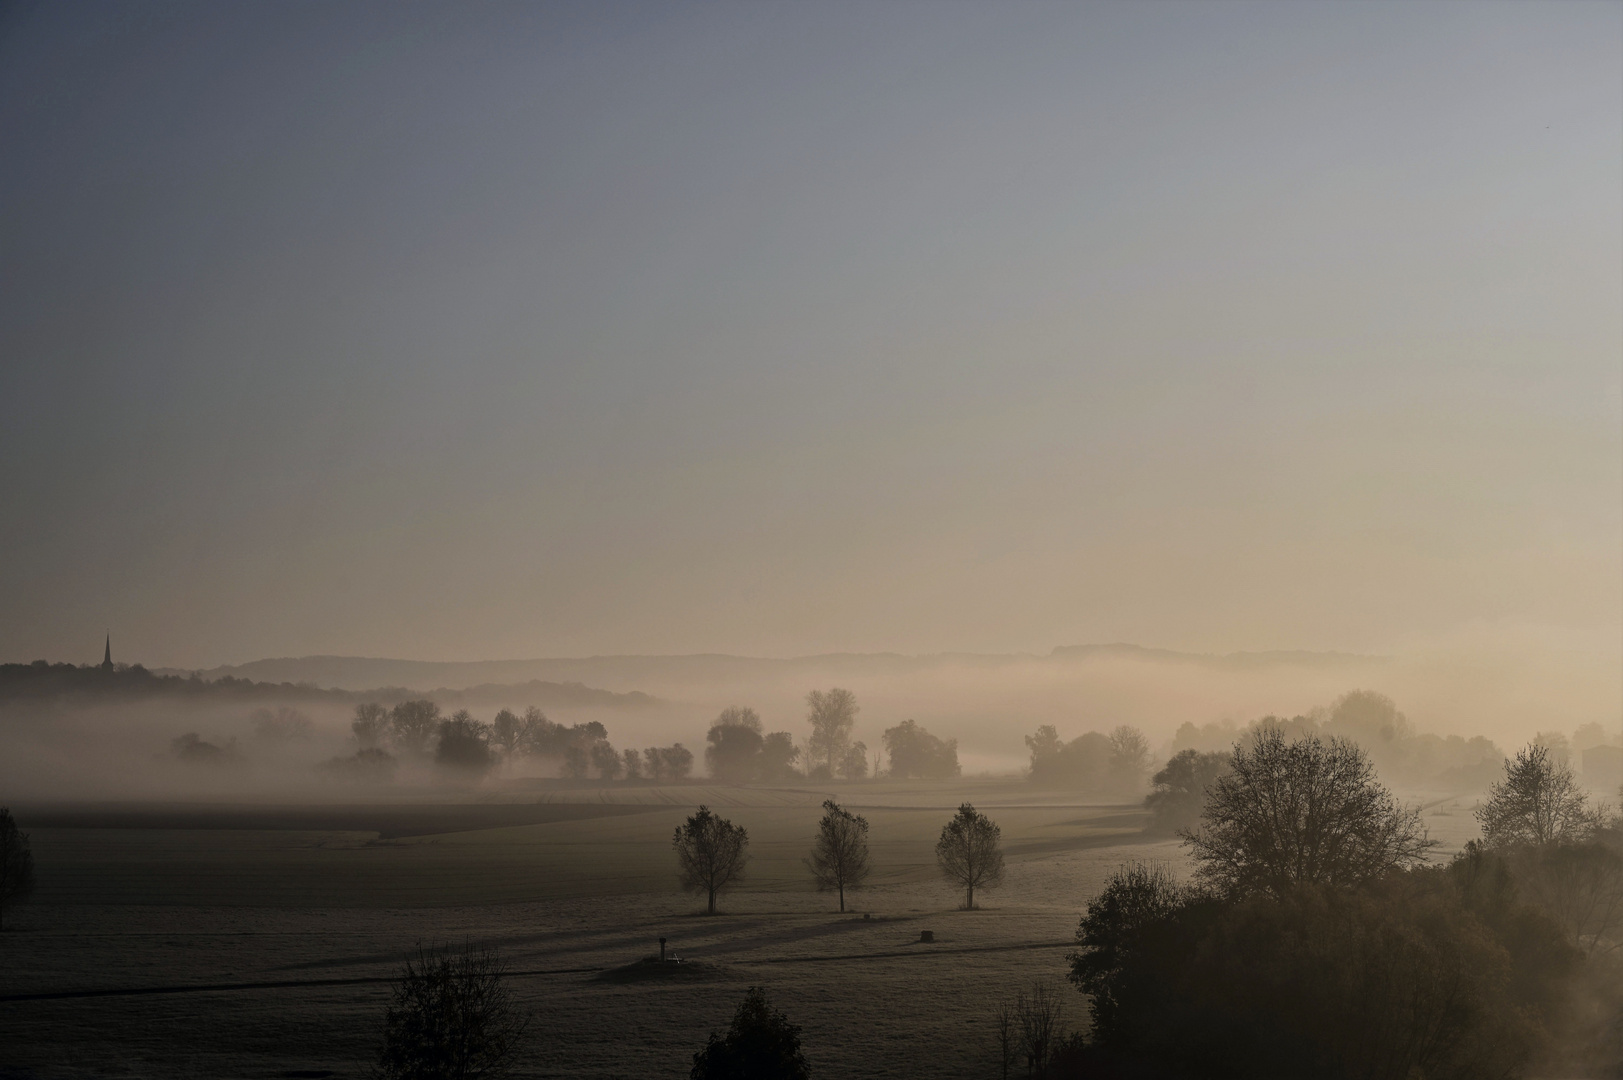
1180 788
734 750
760 1044
839 858
414 724
831 714
709 854
16 864
1537 803
371 725
970 852
1308 812
450 1017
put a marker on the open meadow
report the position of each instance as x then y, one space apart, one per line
214 941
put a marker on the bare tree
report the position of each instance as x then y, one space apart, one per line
450 1017
371 725
839 858
1129 755
1303 812
16 863
1581 885
970 852
1006 1033
507 733
832 714
1538 802
414 724
1039 1016
709 854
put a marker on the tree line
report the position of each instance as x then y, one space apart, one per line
737 751
712 852
416 729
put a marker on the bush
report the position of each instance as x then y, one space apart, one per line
450 1017
760 1044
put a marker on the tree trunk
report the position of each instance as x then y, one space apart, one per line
712 902
842 898
969 905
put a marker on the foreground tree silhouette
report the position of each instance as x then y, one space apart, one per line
970 852
761 1044
16 864
450 1018
1298 813
709 853
1539 802
839 858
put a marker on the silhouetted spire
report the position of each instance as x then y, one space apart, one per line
107 658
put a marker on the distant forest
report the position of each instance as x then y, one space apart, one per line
42 680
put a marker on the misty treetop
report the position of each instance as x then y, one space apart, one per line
914 752
737 751
831 714
1373 721
1178 790
1093 761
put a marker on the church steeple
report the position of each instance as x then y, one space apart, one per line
107 657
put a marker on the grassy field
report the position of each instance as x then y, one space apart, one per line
225 951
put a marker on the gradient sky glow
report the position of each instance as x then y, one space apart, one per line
464 331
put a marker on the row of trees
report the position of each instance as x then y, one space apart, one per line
459 741
1317 939
737 750
711 853
1374 722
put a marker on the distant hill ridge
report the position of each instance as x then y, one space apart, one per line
39 680
354 672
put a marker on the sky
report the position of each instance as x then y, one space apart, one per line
476 331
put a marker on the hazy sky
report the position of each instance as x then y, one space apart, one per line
458 331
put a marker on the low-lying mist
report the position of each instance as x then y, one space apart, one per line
236 739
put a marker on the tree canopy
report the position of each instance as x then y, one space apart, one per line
1303 812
